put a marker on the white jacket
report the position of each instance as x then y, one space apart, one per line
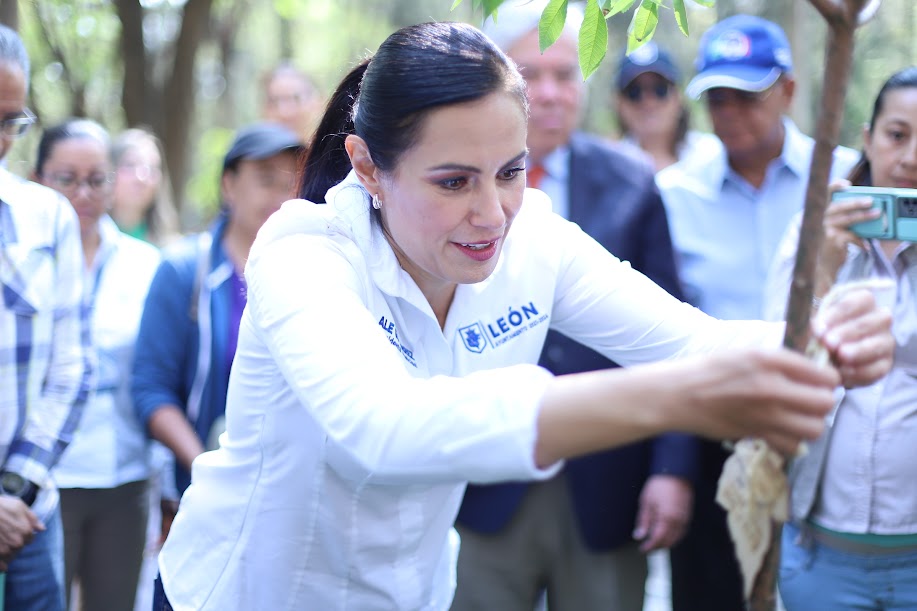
354 421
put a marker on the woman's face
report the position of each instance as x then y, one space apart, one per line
450 201
891 147
649 106
79 168
137 180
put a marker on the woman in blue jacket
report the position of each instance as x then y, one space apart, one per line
190 322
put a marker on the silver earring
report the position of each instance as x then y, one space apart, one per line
377 201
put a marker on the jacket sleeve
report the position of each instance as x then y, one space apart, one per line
676 454
673 453
163 343
53 417
658 256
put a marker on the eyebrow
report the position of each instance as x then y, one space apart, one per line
470 168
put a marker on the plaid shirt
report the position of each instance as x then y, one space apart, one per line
44 337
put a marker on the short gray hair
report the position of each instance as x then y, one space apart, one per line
12 50
516 18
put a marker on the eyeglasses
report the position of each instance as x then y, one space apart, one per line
13 127
720 96
634 92
142 172
96 183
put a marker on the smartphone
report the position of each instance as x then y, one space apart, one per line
898 218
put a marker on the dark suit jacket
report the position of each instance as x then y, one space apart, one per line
613 197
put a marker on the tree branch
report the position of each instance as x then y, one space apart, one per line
841 27
831 10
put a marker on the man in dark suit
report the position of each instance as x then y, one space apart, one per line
581 536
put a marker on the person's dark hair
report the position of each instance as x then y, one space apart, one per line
12 50
71 128
385 99
861 173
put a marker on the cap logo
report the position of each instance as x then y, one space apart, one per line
645 55
732 45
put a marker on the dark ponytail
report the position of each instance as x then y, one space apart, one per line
327 162
385 100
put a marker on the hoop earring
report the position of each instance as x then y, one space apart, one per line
377 201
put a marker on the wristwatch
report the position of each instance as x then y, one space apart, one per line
13 484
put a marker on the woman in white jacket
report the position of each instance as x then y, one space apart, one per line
387 353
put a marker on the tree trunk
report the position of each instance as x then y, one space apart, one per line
136 90
9 13
841 16
179 95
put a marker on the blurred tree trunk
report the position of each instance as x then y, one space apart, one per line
136 90
9 13
799 30
179 93
167 108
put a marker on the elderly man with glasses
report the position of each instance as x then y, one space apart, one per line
44 371
727 215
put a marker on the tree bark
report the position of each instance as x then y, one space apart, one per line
179 95
137 89
841 16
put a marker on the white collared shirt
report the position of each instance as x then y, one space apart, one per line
110 447
725 231
354 421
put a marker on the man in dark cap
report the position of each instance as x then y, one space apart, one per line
190 322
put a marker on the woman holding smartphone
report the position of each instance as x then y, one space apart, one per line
852 542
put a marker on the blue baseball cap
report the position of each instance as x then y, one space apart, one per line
741 52
647 58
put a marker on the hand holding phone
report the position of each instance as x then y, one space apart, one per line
897 209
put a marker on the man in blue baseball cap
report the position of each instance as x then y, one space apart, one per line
727 215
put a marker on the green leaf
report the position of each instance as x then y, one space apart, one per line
643 25
455 5
620 6
681 15
593 39
551 24
490 7
707 3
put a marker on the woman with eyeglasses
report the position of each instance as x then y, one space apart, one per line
651 112
103 474
141 201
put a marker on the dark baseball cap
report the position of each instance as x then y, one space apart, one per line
647 58
260 141
741 52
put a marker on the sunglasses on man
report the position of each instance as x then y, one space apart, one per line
635 92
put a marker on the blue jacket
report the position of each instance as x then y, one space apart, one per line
613 197
188 299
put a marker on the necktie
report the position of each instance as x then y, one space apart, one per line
533 175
